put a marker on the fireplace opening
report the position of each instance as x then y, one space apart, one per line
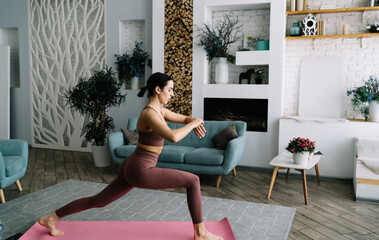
252 111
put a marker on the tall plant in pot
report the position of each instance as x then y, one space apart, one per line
92 97
216 40
132 67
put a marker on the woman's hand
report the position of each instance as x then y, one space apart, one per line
198 129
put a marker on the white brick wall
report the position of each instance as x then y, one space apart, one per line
131 31
360 55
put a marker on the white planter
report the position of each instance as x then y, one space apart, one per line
300 158
374 111
222 71
134 83
101 156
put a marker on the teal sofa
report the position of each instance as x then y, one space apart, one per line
191 154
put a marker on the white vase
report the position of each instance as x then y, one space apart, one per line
300 158
101 156
222 71
134 83
374 111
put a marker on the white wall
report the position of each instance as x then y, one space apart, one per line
360 55
14 14
4 91
124 10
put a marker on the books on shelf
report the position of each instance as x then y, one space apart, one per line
298 5
320 25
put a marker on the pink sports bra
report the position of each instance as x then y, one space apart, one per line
150 138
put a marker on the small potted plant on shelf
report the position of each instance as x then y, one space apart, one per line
261 44
132 67
216 40
92 98
302 149
258 75
366 98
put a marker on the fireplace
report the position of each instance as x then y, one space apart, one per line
251 111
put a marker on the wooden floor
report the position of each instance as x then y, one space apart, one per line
331 214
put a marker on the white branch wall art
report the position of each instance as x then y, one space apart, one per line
67 41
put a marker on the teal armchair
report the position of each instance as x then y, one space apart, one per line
13 163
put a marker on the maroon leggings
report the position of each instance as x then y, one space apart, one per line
138 170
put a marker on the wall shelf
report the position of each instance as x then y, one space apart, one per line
356 35
252 57
337 10
254 91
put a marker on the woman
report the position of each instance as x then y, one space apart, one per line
138 170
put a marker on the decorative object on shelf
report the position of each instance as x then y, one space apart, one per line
132 66
221 71
258 75
371 3
93 97
309 25
249 42
295 30
261 44
301 148
345 29
364 95
246 75
216 39
373 28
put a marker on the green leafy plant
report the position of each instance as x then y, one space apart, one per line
93 97
298 145
258 72
258 39
216 39
365 94
133 65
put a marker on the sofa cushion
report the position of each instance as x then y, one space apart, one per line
221 139
130 137
205 156
125 151
13 164
174 153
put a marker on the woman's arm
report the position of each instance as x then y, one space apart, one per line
175 117
152 120
179 118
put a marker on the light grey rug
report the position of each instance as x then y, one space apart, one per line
248 220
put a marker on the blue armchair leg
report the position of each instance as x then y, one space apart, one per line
218 181
18 184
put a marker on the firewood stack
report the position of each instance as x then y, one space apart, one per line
178 53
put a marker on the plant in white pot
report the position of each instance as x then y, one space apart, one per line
216 40
302 149
366 98
132 67
92 98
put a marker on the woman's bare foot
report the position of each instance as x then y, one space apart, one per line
202 234
48 221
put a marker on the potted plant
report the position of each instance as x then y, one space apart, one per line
258 75
216 40
366 98
132 68
93 97
301 149
261 43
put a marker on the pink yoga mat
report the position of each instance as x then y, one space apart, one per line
115 230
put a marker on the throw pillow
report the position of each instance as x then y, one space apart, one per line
130 137
221 139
